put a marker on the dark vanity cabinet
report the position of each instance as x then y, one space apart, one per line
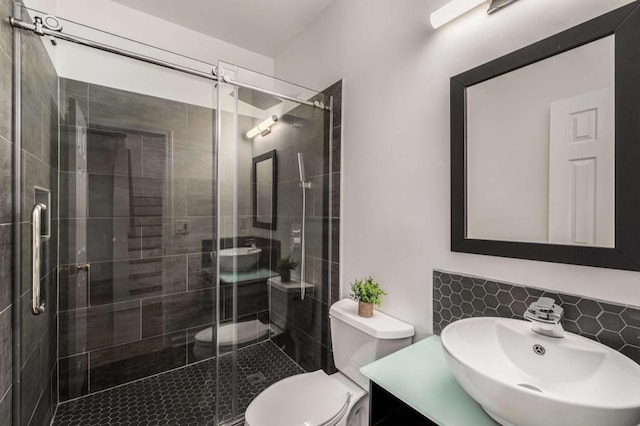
385 409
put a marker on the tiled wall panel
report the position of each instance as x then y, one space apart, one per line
6 208
306 337
39 105
457 296
132 312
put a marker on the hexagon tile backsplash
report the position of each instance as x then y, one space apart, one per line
457 296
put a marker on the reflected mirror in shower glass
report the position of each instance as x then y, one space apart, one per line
540 151
264 191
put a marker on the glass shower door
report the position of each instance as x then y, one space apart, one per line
274 170
36 144
120 155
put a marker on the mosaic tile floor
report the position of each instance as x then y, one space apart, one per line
185 396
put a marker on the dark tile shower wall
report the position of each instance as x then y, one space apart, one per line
40 133
306 337
335 151
457 296
135 169
39 103
6 227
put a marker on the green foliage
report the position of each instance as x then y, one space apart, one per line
286 264
367 290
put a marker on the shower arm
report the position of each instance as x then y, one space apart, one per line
42 30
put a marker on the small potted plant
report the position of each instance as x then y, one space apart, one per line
284 267
368 293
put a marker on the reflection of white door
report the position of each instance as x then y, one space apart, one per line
581 170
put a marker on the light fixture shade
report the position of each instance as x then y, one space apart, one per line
452 10
262 127
253 133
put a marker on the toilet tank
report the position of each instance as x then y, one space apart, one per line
358 341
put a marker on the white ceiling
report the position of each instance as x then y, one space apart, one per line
263 26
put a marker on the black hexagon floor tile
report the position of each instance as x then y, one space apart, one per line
186 396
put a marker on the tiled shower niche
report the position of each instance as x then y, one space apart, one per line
457 296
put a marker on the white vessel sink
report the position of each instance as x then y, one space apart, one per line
239 259
576 381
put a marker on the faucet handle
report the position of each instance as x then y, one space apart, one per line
544 304
545 310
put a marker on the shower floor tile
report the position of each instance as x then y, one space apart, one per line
185 396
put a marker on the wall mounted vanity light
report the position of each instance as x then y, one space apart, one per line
456 8
263 128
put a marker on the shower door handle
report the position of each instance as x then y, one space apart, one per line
37 305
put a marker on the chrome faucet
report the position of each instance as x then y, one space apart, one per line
545 317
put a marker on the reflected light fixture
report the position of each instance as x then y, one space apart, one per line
456 8
263 128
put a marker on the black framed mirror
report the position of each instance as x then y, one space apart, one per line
265 190
545 148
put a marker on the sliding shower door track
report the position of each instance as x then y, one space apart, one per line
42 30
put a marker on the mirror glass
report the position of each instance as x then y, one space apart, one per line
264 191
540 154
264 188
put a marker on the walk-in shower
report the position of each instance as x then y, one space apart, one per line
134 173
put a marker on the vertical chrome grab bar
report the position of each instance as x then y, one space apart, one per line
37 305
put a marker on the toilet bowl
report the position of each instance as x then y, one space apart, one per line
242 334
340 399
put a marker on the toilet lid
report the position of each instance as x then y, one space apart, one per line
310 399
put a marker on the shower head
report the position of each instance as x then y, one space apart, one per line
256 99
292 120
301 167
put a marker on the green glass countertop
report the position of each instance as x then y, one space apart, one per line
255 275
420 376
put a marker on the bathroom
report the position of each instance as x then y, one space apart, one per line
138 294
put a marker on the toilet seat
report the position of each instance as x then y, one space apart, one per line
310 399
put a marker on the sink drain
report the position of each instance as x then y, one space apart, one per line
530 387
539 349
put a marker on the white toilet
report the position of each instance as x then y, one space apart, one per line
241 333
341 399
